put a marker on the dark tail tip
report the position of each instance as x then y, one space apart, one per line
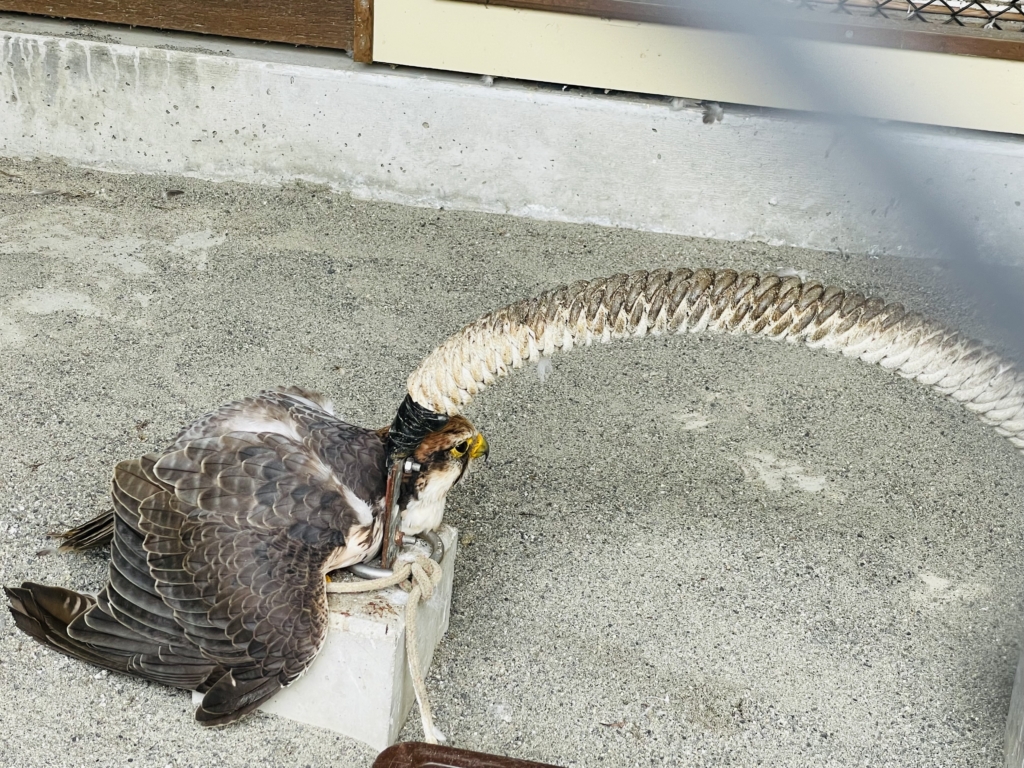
44 612
25 613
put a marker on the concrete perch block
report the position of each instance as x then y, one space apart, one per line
359 685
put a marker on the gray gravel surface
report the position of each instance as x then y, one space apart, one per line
697 551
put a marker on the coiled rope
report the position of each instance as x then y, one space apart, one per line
764 305
423 575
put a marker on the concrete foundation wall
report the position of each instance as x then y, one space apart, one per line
154 103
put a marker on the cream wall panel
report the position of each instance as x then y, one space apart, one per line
940 89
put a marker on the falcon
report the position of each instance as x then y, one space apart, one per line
220 544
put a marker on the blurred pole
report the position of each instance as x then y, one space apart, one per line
934 219
1014 742
931 218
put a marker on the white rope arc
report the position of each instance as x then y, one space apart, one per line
764 305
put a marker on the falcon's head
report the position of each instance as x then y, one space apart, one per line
444 457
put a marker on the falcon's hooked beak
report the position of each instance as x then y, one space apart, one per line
442 459
473 448
478 447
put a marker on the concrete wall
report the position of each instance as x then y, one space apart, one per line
152 103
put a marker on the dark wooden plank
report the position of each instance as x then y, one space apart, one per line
884 33
324 23
362 42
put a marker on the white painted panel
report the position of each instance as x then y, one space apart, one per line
939 89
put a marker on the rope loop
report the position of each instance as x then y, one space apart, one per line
421 576
425 574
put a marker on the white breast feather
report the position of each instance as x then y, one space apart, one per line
424 513
364 512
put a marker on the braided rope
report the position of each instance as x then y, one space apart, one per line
684 300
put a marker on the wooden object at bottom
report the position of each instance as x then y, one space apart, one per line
414 754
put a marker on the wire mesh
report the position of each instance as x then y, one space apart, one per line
1007 15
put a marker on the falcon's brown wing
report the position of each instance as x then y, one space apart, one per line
130 622
127 627
237 546
300 413
217 567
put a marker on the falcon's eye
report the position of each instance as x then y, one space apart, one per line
460 450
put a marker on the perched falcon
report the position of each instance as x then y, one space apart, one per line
221 543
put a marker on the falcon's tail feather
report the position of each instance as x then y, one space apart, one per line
230 699
44 613
97 532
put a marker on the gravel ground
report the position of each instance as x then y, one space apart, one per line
698 551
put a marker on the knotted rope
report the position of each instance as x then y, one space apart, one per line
684 300
423 575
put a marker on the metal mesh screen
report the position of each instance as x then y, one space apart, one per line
993 14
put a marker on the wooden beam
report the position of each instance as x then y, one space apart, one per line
853 30
362 44
324 23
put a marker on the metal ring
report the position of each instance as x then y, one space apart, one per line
436 545
367 571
